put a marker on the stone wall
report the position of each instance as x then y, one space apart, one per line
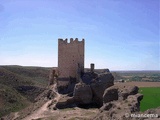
70 58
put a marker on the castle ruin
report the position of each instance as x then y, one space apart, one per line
70 59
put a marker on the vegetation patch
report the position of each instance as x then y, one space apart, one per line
19 86
11 100
150 99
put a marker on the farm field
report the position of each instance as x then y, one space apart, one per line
143 76
151 98
142 84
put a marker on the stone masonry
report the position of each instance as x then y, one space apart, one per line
70 59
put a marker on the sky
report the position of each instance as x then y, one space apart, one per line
119 34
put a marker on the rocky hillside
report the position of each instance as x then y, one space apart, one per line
19 86
94 97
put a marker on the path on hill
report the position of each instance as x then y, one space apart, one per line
44 111
60 114
39 113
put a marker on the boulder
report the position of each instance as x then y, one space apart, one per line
110 94
125 91
106 77
134 101
119 92
98 89
105 80
82 93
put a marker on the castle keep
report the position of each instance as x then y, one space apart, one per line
70 59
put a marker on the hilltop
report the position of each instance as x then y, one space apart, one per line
20 86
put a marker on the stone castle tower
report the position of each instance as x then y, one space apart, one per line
70 59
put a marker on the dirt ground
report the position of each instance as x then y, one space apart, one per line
44 113
142 84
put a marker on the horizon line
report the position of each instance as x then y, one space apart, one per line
84 68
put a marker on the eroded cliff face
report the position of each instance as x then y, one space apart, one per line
90 90
113 101
119 101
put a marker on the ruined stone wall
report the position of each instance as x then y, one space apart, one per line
70 57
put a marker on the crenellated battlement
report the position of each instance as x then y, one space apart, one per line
65 41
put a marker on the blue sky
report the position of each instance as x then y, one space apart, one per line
119 34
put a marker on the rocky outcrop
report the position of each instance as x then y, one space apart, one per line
98 87
122 110
92 93
82 95
105 77
115 100
110 95
119 101
119 92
